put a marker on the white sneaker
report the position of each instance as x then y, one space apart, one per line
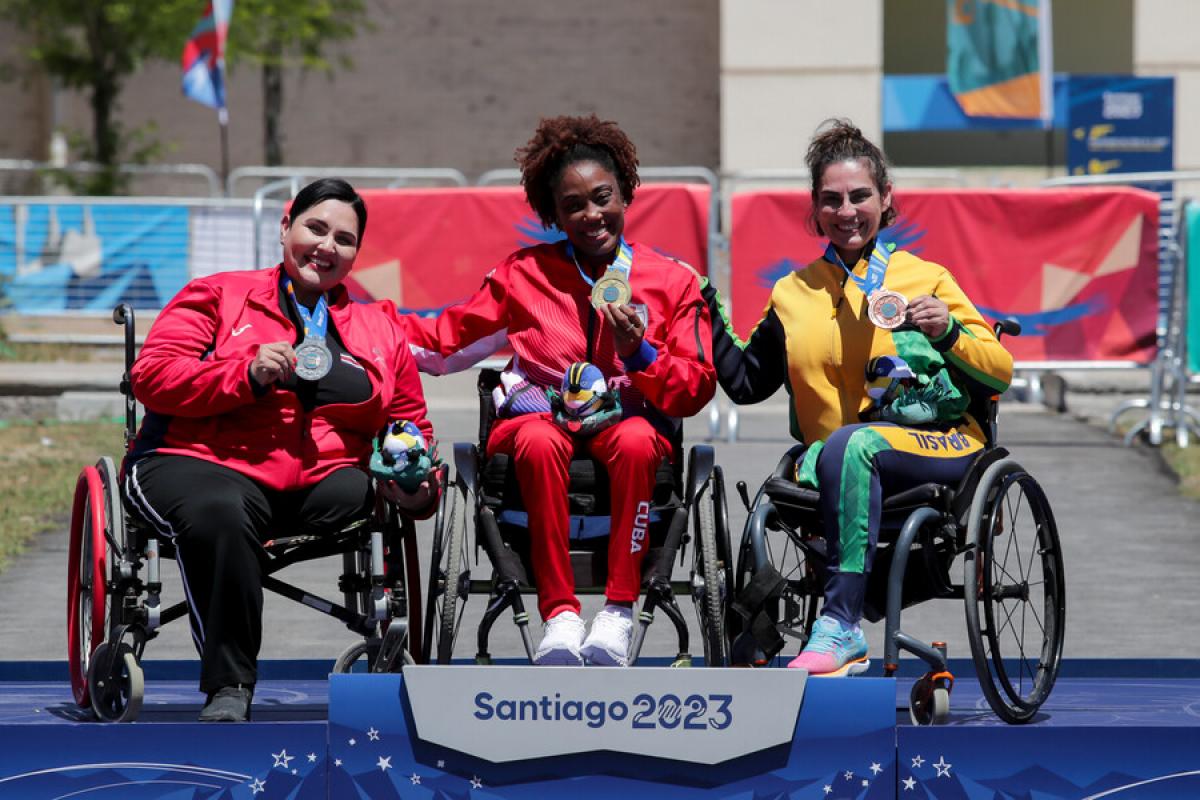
607 644
562 635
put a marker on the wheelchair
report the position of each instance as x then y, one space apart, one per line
997 519
486 492
114 586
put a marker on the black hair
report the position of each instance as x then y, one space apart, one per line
324 189
560 142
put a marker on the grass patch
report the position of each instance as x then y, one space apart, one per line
40 462
1186 463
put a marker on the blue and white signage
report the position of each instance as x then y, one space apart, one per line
1120 123
701 716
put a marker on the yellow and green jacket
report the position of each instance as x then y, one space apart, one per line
815 338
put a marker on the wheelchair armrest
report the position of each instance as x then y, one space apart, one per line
785 491
700 467
466 465
787 465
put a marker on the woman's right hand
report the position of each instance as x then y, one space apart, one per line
273 362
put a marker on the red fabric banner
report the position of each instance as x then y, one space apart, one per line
1077 267
428 248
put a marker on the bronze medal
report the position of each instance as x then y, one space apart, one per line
886 309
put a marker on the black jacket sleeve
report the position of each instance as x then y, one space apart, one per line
749 372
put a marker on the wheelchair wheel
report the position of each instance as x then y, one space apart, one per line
449 574
708 584
1015 591
362 655
116 683
929 701
86 579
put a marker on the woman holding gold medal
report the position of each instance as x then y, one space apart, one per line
264 393
874 345
601 318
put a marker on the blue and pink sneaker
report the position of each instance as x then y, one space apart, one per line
833 651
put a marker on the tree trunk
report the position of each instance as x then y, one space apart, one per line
272 85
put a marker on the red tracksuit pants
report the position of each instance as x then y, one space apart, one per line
541 451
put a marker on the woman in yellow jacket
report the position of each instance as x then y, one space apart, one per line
881 353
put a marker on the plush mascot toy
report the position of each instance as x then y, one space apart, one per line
584 406
402 455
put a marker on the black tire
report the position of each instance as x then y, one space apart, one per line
436 582
116 683
708 589
363 650
724 552
449 577
1015 592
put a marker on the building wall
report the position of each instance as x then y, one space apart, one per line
787 65
1164 43
460 83
25 100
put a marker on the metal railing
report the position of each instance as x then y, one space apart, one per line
47 168
388 177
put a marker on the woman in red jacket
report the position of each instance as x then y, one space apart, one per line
632 313
264 391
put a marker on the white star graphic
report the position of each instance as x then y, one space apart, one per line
337 762
441 764
294 770
866 782
373 734
875 768
917 761
281 759
847 774
943 769
257 786
353 742
415 778
828 789
384 763
476 783
909 783
312 758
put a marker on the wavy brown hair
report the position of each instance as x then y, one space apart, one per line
839 140
559 142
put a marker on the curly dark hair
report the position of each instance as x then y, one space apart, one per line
839 140
561 141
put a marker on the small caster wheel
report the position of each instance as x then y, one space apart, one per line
116 683
364 652
929 701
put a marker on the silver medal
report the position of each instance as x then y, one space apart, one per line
313 360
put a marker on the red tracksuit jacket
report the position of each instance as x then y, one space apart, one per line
192 375
537 302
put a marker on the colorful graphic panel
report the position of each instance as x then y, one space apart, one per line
1077 267
428 248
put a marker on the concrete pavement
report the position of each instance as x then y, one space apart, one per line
1132 547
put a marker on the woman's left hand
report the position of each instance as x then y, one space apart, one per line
930 315
418 500
628 330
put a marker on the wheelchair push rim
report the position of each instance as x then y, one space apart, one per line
1015 592
86 579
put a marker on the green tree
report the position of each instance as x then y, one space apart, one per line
93 46
284 34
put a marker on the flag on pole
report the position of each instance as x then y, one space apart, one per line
204 56
999 61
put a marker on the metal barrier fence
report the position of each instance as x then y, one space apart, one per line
40 171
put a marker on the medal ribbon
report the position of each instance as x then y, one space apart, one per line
316 322
877 265
623 263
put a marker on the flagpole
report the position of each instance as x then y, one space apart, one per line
223 122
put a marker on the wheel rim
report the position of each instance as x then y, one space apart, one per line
1016 570
86 580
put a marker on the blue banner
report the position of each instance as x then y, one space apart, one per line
1120 123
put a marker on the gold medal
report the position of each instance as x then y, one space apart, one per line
612 287
886 308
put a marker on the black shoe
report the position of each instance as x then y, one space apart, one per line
228 704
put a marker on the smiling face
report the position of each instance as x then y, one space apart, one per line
319 247
590 211
850 206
